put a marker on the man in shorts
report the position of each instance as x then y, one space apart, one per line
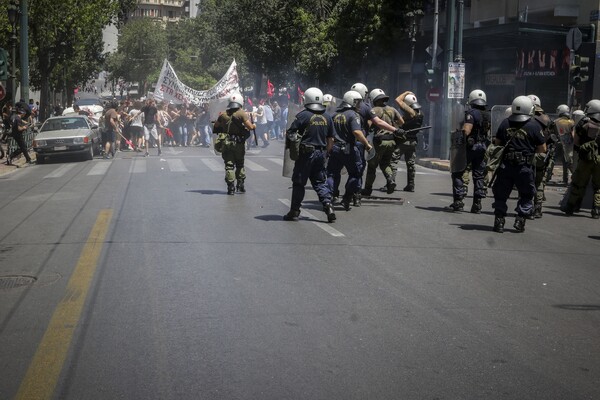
150 122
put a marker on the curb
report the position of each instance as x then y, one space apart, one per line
434 163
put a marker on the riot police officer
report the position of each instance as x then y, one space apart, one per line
313 131
521 137
384 141
237 125
475 129
586 143
345 153
366 113
413 119
563 128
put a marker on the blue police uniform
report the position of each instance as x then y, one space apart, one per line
476 146
315 128
516 168
345 153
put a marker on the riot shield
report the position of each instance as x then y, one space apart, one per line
498 114
288 163
458 151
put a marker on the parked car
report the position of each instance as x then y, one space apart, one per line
75 134
93 106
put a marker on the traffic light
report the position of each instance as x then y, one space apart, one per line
430 79
3 65
579 70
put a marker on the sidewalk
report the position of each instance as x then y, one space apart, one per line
434 163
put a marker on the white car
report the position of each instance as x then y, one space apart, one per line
59 136
92 106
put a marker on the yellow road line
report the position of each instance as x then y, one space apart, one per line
44 370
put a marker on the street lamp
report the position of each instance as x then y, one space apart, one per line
414 18
13 15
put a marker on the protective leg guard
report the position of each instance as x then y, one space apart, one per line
595 213
356 200
230 188
240 186
537 211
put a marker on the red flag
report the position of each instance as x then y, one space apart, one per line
270 88
300 95
250 101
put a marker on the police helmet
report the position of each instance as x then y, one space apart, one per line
578 116
507 112
478 98
327 98
378 94
351 99
537 103
313 99
236 100
522 109
562 110
592 109
360 88
411 101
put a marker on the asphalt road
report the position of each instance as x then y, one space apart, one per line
146 281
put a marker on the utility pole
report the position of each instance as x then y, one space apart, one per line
24 50
447 113
436 16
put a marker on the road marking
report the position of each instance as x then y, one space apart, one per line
176 165
138 166
44 370
252 166
277 161
60 171
213 164
99 169
323 225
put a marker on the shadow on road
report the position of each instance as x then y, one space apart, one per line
578 307
594 237
207 191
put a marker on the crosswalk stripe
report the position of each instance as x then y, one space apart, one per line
60 171
213 164
323 225
277 161
252 166
176 165
99 169
138 166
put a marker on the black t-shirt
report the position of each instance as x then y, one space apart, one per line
366 114
315 127
149 114
526 135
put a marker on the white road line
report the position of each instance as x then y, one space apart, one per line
277 161
213 164
176 165
323 225
252 166
99 169
138 166
60 171
420 173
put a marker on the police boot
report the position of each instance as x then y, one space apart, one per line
390 187
519 223
356 199
240 186
367 191
292 215
499 224
537 211
346 202
476 207
328 208
567 208
230 188
336 197
457 205
595 213
409 188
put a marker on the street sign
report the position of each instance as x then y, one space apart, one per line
574 39
429 50
434 94
2 92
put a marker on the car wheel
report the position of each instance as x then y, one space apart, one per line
89 155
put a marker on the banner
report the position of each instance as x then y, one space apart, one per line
456 80
541 62
170 88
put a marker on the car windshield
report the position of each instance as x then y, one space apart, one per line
88 102
57 124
